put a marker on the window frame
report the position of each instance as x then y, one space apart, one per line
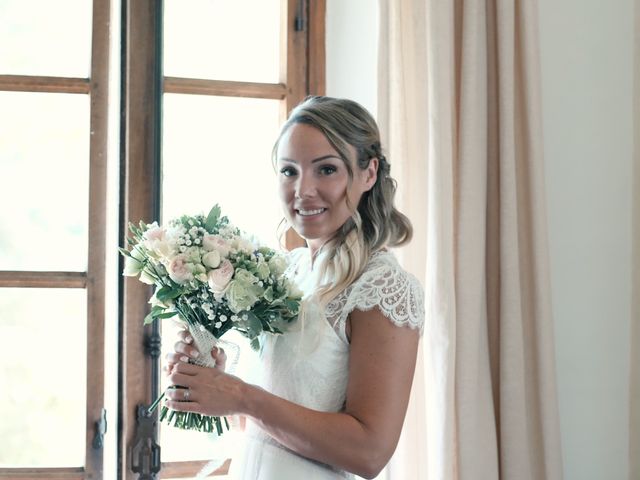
93 280
302 73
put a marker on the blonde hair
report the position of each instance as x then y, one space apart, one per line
375 223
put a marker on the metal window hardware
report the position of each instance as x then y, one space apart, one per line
145 451
101 429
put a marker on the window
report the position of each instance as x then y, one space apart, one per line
200 135
220 86
53 98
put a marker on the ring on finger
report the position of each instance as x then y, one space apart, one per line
187 394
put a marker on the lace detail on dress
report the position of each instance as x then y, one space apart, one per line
383 284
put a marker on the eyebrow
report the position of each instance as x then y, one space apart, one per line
319 159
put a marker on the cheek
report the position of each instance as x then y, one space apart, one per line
285 192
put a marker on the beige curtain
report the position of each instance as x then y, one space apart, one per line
459 106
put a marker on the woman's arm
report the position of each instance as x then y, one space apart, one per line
363 437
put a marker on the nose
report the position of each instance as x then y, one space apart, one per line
305 186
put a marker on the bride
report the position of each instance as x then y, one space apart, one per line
333 392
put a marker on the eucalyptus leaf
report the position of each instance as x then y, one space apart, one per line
212 218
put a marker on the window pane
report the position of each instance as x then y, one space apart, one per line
183 445
45 38
222 39
218 150
43 374
44 160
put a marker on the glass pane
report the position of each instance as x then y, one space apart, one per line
45 38
218 150
44 160
222 39
182 445
43 374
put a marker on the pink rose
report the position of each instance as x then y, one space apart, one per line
179 270
216 242
220 277
158 242
154 233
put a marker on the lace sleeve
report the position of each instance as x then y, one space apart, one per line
384 284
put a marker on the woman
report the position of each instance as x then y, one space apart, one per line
334 392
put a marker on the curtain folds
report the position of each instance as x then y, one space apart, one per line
459 108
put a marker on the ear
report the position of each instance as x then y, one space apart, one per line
371 173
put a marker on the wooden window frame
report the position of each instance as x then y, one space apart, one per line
302 73
93 280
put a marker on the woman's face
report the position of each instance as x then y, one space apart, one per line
314 183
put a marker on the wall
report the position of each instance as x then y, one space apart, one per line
352 50
587 73
586 55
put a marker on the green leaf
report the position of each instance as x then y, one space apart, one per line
149 318
167 293
212 218
124 252
255 325
166 315
255 344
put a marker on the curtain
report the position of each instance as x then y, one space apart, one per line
459 109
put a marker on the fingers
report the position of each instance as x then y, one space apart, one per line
185 346
182 400
179 394
182 406
220 356
183 352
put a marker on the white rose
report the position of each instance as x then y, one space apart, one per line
220 277
211 259
278 264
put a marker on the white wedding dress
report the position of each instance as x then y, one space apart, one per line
318 378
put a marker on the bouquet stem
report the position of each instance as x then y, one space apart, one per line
190 420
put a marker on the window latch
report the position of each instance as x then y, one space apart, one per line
299 21
101 429
145 451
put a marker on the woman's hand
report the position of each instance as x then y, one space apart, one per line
208 391
204 390
185 351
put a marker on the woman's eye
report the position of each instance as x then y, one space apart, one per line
287 171
327 169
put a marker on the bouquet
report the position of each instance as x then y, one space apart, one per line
214 278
